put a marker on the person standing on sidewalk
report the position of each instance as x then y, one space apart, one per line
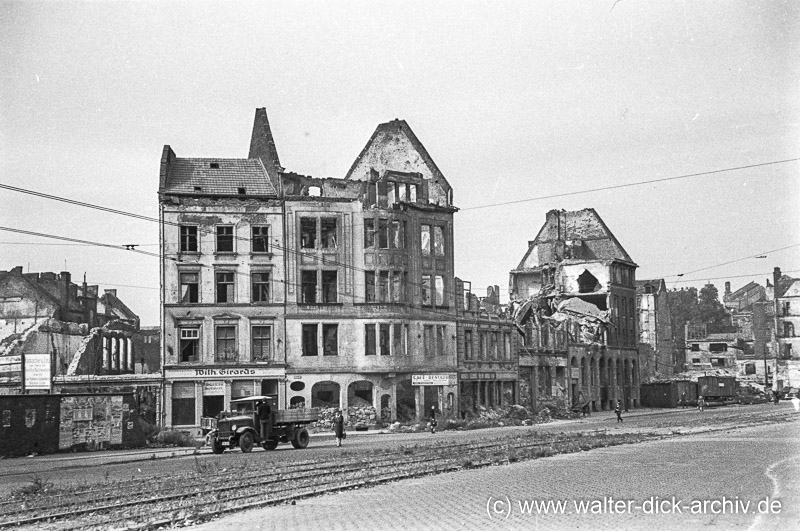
683 400
264 419
701 404
338 427
433 419
618 411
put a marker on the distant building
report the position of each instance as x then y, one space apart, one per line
658 357
574 294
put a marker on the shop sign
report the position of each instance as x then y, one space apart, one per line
434 379
224 372
37 371
213 388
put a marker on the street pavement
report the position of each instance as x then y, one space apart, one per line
747 478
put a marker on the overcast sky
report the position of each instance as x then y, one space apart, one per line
513 100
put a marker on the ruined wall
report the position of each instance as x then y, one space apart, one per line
393 150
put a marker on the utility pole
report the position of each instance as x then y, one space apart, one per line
776 276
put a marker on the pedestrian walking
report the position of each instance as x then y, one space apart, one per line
701 404
776 397
618 411
338 427
683 400
433 419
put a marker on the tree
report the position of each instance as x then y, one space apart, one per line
682 309
710 311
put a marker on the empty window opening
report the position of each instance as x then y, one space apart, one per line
214 165
310 340
330 339
587 282
308 233
241 190
359 394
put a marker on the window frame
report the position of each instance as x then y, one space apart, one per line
226 354
263 341
325 350
261 238
228 239
184 240
218 283
265 285
196 341
181 284
305 335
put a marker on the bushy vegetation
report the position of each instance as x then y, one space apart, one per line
176 438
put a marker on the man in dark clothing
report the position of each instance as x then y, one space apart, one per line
264 414
618 411
683 400
433 419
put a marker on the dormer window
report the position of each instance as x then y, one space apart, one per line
241 191
214 165
198 188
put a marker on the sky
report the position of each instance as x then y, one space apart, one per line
563 104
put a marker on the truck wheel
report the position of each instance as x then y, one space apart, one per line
270 444
216 447
246 442
300 440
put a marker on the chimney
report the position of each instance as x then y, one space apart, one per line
776 276
111 291
262 145
66 278
727 288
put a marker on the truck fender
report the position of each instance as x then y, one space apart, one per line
243 429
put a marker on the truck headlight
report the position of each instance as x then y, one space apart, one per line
233 427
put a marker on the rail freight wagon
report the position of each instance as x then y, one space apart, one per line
669 394
717 390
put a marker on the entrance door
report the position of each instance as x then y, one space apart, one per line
212 405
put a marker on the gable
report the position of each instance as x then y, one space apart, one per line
394 147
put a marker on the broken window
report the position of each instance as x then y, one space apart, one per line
396 233
188 239
439 290
369 286
695 347
412 195
308 287
260 287
261 343
426 290
425 239
330 339
383 233
369 233
383 286
310 340
225 286
397 286
402 193
369 339
225 239
428 344
718 347
467 344
225 343
190 287
190 344
587 282
750 368
308 233
384 339
438 241
397 339
390 193
328 233
260 239
329 287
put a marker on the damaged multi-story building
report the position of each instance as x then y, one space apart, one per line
487 343
57 336
658 356
321 292
574 296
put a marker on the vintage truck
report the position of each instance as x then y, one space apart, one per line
241 428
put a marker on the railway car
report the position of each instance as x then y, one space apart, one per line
717 390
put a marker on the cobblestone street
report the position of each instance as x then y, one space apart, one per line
744 466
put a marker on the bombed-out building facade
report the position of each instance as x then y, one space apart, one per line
573 295
321 292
